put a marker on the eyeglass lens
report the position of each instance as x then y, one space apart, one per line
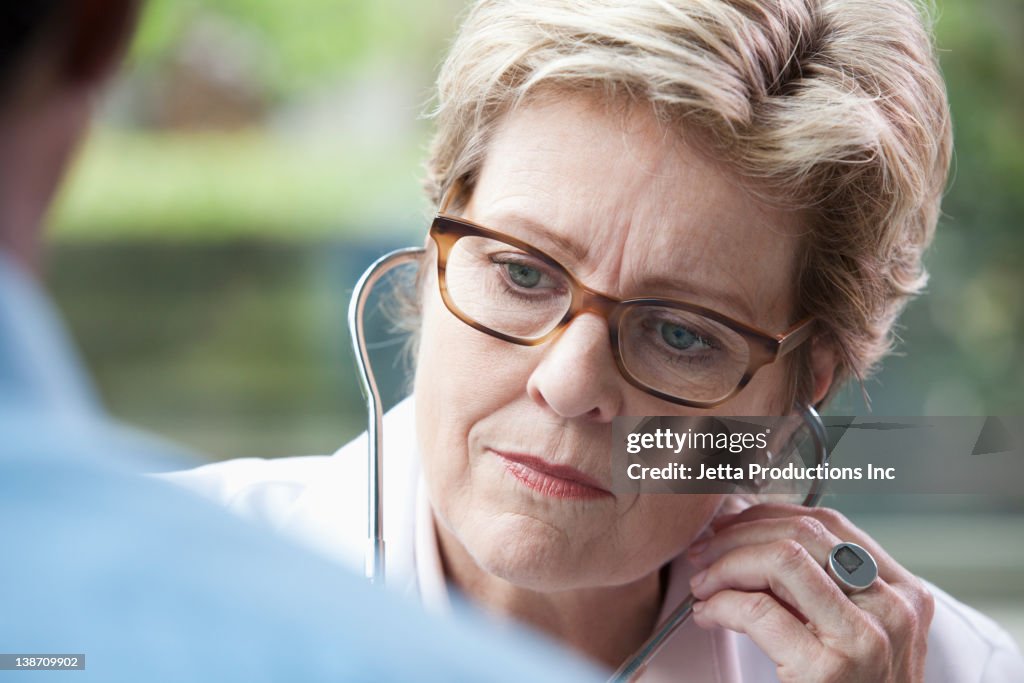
673 351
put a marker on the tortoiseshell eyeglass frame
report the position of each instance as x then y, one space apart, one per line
764 347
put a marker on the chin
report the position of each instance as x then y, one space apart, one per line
525 552
533 554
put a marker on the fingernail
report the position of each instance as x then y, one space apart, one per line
697 607
698 547
696 581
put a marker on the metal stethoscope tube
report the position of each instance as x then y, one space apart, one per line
375 483
374 409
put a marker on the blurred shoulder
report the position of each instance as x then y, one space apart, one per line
965 645
227 480
293 491
264 489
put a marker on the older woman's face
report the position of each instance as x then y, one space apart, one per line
638 207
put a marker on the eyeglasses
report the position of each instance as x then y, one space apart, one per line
677 351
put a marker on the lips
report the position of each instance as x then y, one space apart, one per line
558 481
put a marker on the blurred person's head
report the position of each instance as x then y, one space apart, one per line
53 56
770 162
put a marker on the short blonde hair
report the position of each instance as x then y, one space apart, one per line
835 106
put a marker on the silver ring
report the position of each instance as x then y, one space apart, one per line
852 567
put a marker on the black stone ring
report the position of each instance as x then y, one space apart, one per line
852 567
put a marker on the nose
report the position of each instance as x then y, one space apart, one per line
577 376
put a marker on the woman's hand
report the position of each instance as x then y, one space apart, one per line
764 576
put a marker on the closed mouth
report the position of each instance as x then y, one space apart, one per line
557 481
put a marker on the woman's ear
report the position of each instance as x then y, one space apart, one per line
823 366
97 35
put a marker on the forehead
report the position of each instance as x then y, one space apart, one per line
628 206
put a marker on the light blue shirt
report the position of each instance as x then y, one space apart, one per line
153 584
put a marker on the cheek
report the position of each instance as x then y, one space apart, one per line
661 526
461 374
442 393
462 377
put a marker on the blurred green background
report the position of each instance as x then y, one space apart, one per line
255 155
250 160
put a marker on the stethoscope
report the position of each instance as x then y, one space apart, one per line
635 665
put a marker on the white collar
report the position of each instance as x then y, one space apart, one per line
431 583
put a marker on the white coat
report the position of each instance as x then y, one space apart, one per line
321 501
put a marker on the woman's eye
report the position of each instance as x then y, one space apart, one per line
679 337
523 275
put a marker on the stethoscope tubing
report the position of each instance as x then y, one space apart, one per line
375 555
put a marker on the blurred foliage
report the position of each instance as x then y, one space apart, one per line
148 183
965 337
306 42
316 77
981 55
217 186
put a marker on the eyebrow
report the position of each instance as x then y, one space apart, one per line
737 306
677 289
539 233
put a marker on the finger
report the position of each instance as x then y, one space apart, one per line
787 570
837 523
722 521
810 532
904 612
778 633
